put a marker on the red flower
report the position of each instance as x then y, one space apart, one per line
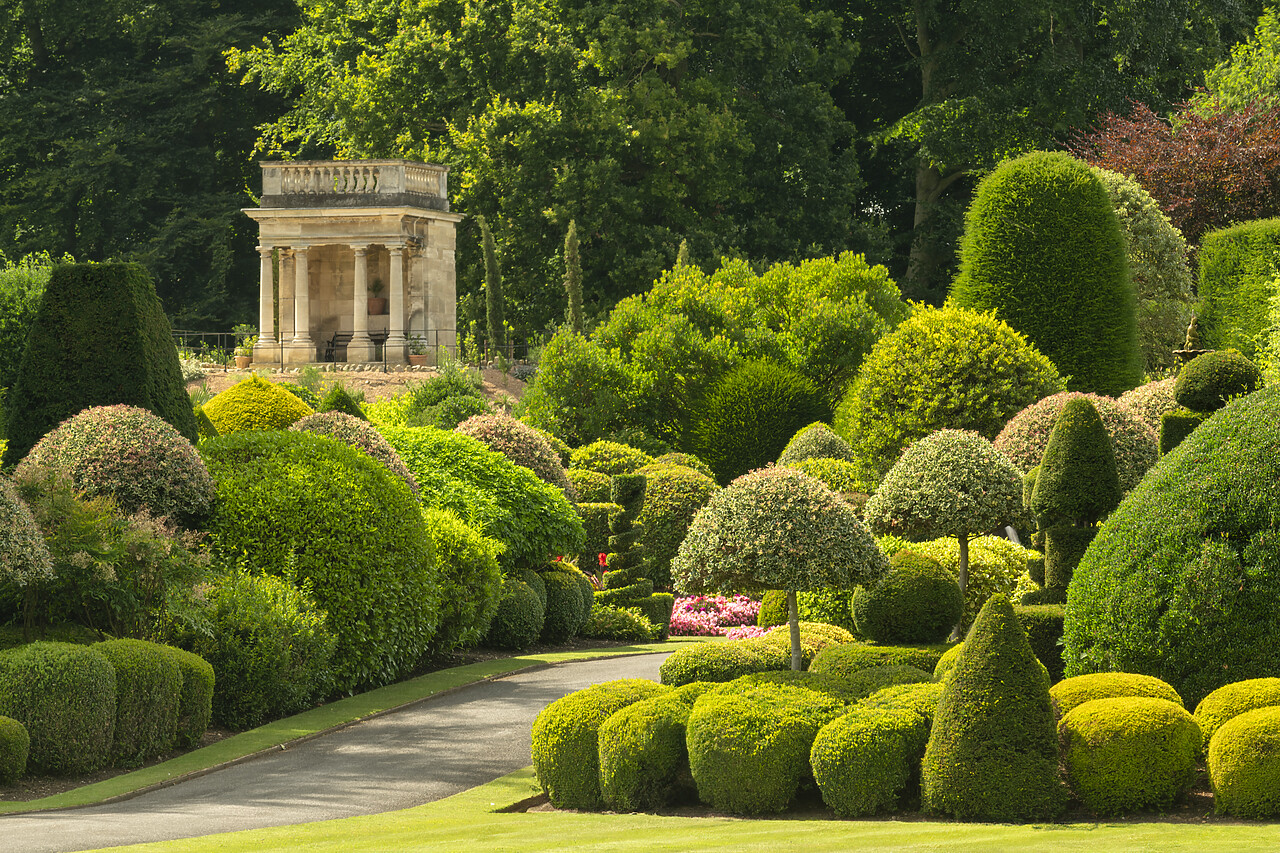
603 559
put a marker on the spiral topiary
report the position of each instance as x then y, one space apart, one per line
816 441
566 755
776 529
672 497
918 601
135 457
942 368
1208 381
522 444
1043 249
1244 765
609 457
1134 441
1072 692
254 404
1129 753
360 434
1232 700
626 581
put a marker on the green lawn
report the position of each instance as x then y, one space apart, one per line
310 723
468 822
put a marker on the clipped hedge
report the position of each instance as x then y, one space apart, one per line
749 750
672 497
123 353
1178 583
918 697
65 696
135 457
1043 249
15 746
1244 765
269 648
254 404
360 434
1231 700
504 501
1043 624
566 753
1237 270
566 611
918 601
1175 426
523 445
517 621
470 580
195 702
644 760
720 661
1073 692
850 658
1129 753
148 693
609 457
330 518
867 761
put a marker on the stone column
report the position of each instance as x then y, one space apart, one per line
396 339
441 296
303 348
361 348
266 304
287 275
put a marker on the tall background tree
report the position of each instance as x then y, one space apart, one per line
124 135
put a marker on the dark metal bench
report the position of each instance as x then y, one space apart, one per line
336 349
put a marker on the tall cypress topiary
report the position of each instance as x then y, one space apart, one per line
1043 248
99 338
993 749
573 277
626 583
495 316
1077 486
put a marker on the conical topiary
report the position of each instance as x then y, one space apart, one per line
993 749
626 583
1076 487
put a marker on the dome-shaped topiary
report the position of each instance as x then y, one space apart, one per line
1073 692
951 483
1129 753
132 455
918 601
752 413
517 622
254 404
592 487
15 745
920 698
522 444
609 457
776 529
838 475
24 556
1244 765
471 580
995 566
566 754
359 434
1135 443
867 760
1178 582
644 762
688 460
993 751
816 441
942 368
1208 381
1232 700
749 749
566 611
326 516
850 658
1150 402
1043 249
673 495
947 663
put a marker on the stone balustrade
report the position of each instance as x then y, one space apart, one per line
354 183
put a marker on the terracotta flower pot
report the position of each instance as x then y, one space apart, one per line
377 305
417 359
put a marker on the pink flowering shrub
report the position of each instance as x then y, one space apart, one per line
359 434
711 615
746 632
523 445
133 456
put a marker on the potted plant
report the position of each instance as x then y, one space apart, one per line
248 339
417 350
377 302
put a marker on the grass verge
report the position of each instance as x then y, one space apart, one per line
470 822
314 722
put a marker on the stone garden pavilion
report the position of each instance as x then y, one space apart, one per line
337 233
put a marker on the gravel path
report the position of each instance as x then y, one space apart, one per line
428 751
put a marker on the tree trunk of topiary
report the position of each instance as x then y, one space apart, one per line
793 616
963 539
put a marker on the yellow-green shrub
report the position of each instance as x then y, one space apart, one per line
254 403
1071 692
867 760
1232 700
1244 765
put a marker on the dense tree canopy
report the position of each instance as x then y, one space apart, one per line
125 136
